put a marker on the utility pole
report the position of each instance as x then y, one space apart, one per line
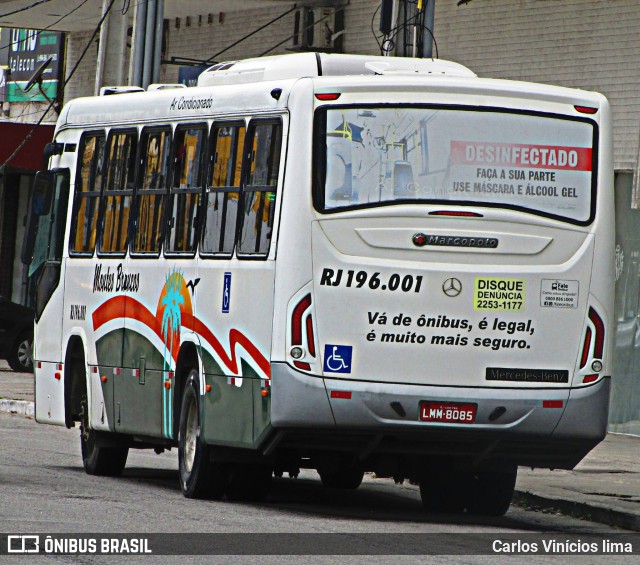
427 35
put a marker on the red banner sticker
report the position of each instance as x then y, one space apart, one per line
521 155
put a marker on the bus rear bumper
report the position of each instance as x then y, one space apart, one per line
537 427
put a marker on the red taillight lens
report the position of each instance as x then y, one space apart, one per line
296 320
311 344
327 96
598 348
301 324
586 109
585 349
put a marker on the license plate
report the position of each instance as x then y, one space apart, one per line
448 412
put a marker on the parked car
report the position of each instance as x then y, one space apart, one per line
16 335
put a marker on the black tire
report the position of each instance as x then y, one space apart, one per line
199 476
98 459
249 482
20 354
492 491
347 477
444 490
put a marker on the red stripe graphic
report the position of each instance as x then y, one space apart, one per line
127 307
552 157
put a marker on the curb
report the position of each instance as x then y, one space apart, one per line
19 407
582 510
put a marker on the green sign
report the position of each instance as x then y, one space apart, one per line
29 51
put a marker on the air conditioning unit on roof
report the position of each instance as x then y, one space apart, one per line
315 29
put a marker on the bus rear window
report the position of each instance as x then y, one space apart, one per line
371 156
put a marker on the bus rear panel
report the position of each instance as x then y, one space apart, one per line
460 299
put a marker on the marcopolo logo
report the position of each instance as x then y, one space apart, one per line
423 239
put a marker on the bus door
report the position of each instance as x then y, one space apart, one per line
42 251
238 271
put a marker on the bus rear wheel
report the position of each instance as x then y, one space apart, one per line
346 475
444 490
491 492
97 459
249 482
200 477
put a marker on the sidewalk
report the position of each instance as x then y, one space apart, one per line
604 487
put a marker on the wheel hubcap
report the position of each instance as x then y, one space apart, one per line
24 353
192 432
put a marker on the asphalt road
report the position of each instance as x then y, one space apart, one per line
44 489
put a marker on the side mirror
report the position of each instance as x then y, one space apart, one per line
51 149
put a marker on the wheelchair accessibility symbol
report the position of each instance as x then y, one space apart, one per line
337 358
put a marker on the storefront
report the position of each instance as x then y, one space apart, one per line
16 179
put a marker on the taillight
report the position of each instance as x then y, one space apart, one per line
585 349
296 320
301 328
310 339
593 348
327 96
598 324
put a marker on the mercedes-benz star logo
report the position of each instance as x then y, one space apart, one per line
452 287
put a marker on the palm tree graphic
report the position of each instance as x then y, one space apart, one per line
171 322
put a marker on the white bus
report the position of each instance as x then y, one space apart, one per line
343 263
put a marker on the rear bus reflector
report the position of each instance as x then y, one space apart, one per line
327 96
590 379
552 403
302 366
586 109
346 394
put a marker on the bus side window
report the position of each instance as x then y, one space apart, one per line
223 190
186 191
118 191
259 189
86 199
151 192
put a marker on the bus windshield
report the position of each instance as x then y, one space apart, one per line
540 163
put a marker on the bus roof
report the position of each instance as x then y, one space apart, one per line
251 87
300 65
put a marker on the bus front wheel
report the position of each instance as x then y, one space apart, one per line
200 477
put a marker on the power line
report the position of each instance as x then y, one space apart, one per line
38 32
25 8
66 81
